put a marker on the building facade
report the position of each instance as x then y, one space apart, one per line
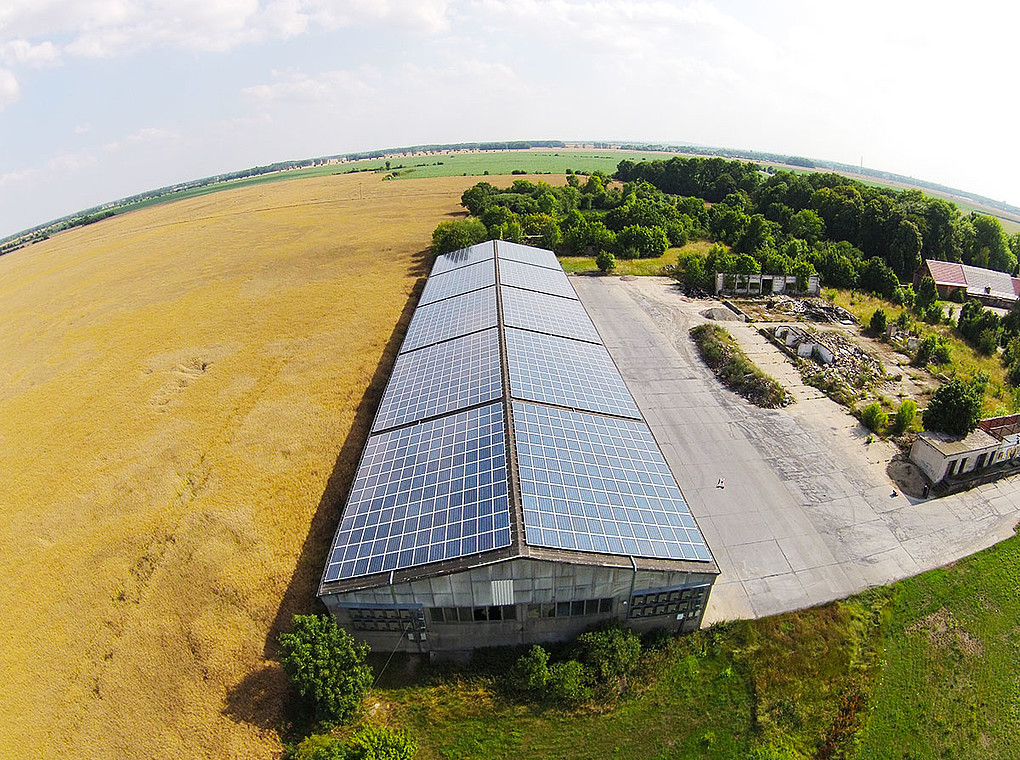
942 457
764 284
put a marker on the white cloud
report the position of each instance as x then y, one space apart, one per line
10 91
110 28
23 53
81 129
12 178
291 86
71 162
145 135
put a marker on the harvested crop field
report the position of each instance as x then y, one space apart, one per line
184 392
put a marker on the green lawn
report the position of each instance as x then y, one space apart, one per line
925 668
555 161
586 264
949 685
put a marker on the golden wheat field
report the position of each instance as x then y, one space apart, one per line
184 391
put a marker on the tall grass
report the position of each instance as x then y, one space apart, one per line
965 362
736 370
176 385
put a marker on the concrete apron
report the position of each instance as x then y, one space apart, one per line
807 513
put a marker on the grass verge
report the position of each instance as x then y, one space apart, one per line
732 366
932 656
641 267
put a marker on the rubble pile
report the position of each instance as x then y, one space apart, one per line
851 363
814 309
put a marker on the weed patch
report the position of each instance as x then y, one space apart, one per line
733 367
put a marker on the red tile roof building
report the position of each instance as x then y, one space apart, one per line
992 287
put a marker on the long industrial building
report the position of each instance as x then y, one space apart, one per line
510 491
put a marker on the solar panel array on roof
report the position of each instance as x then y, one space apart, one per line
457 281
451 318
566 372
528 255
463 257
540 279
433 482
441 378
599 484
539 312
426 493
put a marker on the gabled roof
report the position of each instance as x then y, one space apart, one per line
946 273
977 281
506 430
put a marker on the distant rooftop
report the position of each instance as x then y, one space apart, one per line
975 280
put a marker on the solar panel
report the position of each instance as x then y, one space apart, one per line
528 255
426 493
535 278
457 281
451 318
599 484
566 372
548 314
441 378
463 257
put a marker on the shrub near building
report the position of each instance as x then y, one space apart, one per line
326 666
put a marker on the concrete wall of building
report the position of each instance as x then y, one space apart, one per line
764 284
937 466
930 460
526 596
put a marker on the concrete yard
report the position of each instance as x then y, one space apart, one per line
808 513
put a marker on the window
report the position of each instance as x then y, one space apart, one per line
679 603
397 619
495 612
576 608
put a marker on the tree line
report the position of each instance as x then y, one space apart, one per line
852 234
900 227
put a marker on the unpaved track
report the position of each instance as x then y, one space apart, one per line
808 513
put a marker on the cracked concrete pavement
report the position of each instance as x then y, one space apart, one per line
808 513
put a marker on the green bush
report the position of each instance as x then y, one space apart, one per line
569 683
1011 354
643 242
457 234
988 341
933 314
381 743
874 417
878 322
605 261
933 349
1013 374
609 653
530 673
954 408
905 415
320 747
326 665
927 294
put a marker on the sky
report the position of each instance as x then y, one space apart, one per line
101 99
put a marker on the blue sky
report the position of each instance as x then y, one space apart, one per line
100 99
